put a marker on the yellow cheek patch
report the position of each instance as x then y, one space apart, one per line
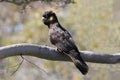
51 18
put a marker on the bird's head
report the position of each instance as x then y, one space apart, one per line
49 17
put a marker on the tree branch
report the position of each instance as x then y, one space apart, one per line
27 2
49 53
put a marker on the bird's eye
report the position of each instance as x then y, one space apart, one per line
51 18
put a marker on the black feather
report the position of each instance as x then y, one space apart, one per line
62 39
80 64
82 67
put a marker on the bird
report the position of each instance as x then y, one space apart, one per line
63 40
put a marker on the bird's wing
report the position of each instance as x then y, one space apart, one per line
70 42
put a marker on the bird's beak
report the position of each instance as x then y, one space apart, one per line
43 19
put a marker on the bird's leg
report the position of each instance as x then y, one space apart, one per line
60 51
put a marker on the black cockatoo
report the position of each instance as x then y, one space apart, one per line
62 39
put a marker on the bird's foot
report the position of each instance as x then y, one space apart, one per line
60 51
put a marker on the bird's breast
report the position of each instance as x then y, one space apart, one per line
55 36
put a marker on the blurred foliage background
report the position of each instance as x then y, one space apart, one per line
94 25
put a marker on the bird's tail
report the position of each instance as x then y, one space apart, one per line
80 64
